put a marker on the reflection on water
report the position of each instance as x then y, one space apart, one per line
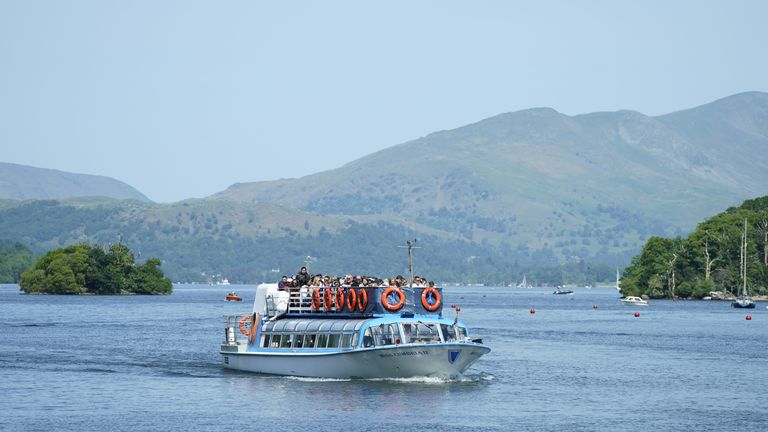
152 363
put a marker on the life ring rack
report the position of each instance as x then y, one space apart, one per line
385 299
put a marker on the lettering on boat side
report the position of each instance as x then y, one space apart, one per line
405 353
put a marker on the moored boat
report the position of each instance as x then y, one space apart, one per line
349 332
634 301
232 296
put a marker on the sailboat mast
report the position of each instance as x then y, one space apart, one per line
744 260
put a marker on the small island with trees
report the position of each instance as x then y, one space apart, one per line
710 262
92 269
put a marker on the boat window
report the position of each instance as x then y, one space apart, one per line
333 340
449 333
309 341
461 332
368 338
390 334
425 333
346 340
286 341
355 339
322 341
408 330
298 341
265 341
376 333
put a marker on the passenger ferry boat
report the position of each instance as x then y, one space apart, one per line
349 332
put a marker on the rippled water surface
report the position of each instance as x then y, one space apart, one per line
152 363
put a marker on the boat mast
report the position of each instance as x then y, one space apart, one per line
410 246
744 261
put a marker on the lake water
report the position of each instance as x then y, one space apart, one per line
151 363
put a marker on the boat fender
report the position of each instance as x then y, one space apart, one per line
362 299
351 299
438 301
245 319
385 299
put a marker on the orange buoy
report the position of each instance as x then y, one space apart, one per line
637 314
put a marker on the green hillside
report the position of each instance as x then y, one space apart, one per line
196 240
593 186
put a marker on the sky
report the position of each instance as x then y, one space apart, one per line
181 99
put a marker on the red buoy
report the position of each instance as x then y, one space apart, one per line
749 317
533 311
458 309
637 314
453 306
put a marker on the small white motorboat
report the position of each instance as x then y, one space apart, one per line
634 301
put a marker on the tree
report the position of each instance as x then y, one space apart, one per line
90 269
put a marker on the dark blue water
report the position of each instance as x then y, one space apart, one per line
152 363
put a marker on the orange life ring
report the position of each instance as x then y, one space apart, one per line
438 300
315 299
243 320
327 300
389 306
362 299
351 299
338 299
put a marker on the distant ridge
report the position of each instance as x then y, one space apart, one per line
21 182
583 186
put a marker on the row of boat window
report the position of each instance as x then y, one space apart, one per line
381 335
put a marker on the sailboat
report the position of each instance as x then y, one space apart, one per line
523 284
617 280
743 301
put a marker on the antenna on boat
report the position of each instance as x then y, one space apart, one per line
308 260
410 246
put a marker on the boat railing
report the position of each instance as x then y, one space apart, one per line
232 328
299 302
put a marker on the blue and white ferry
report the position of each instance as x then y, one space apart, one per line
349 332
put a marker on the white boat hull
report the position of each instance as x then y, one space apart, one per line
404 361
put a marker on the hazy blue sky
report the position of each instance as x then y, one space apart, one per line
183 98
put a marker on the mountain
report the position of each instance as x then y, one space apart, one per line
588 186
561 199
20 182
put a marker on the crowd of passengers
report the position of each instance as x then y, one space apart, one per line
304 279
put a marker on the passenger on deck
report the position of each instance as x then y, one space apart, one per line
282 284
302 279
